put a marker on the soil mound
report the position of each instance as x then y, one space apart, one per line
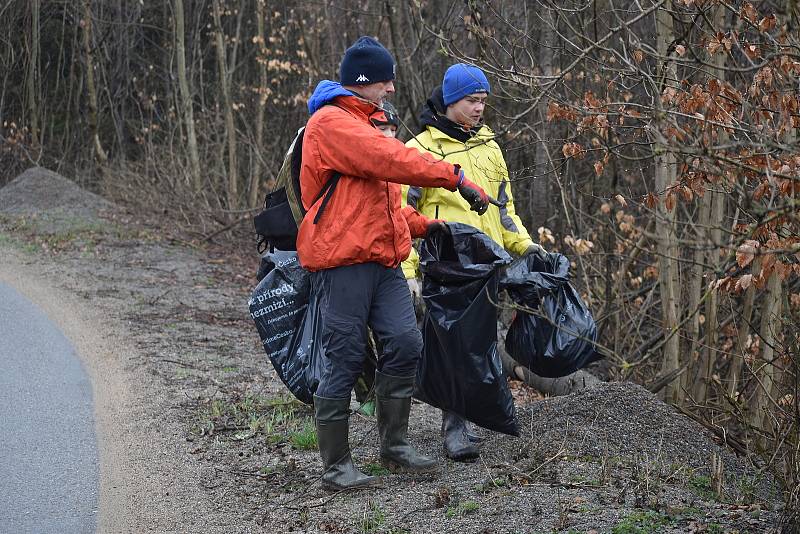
624 422
39 191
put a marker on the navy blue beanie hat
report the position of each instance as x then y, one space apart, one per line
461 80
365 62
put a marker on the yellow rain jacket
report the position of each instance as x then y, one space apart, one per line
482 161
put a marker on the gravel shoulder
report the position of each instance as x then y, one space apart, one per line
197 434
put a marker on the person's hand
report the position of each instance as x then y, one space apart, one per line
475 195
413 286
536 249
435 226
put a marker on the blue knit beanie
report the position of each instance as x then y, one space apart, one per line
365 62
461 80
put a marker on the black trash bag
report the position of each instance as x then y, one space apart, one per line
531 277
289 322
279 305
559 338
460 369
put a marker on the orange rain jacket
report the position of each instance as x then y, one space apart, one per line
363 220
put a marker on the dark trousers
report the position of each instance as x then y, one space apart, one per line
351 298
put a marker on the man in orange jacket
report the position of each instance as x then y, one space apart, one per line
353 238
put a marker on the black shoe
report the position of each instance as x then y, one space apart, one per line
393 405
332 435
456 441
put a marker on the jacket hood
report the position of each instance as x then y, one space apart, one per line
325 92
433 114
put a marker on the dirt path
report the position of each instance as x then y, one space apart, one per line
197 434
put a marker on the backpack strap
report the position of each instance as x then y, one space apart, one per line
327 189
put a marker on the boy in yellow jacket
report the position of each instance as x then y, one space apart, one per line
454 132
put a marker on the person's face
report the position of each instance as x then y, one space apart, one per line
376 92
388 130
469 110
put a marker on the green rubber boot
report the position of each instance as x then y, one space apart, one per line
332 435
393 403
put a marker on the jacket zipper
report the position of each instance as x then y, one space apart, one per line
391 221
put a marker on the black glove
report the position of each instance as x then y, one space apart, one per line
474 194
536 249
435 226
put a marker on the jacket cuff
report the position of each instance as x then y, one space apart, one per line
458 174
417 223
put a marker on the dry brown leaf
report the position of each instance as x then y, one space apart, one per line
746 252
767 23
598 168
669 202
744 282
748 12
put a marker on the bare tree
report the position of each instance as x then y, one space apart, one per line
187 111
227 105
665 175
88 56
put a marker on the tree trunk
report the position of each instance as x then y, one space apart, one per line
540 184
261 101
187 112
227 105
32 77
99 154
709 359
695 289
714 206
766 370
736 366
665 173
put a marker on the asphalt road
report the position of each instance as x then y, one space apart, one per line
48 450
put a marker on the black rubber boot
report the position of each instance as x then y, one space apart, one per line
393 400
332 435
456 440
471 434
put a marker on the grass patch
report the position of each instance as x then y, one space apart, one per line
646 522
13 242
56 231
701 486
373 519
304 439
376 470
491 484
278 420
462 508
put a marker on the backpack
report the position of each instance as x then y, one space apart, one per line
283 211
